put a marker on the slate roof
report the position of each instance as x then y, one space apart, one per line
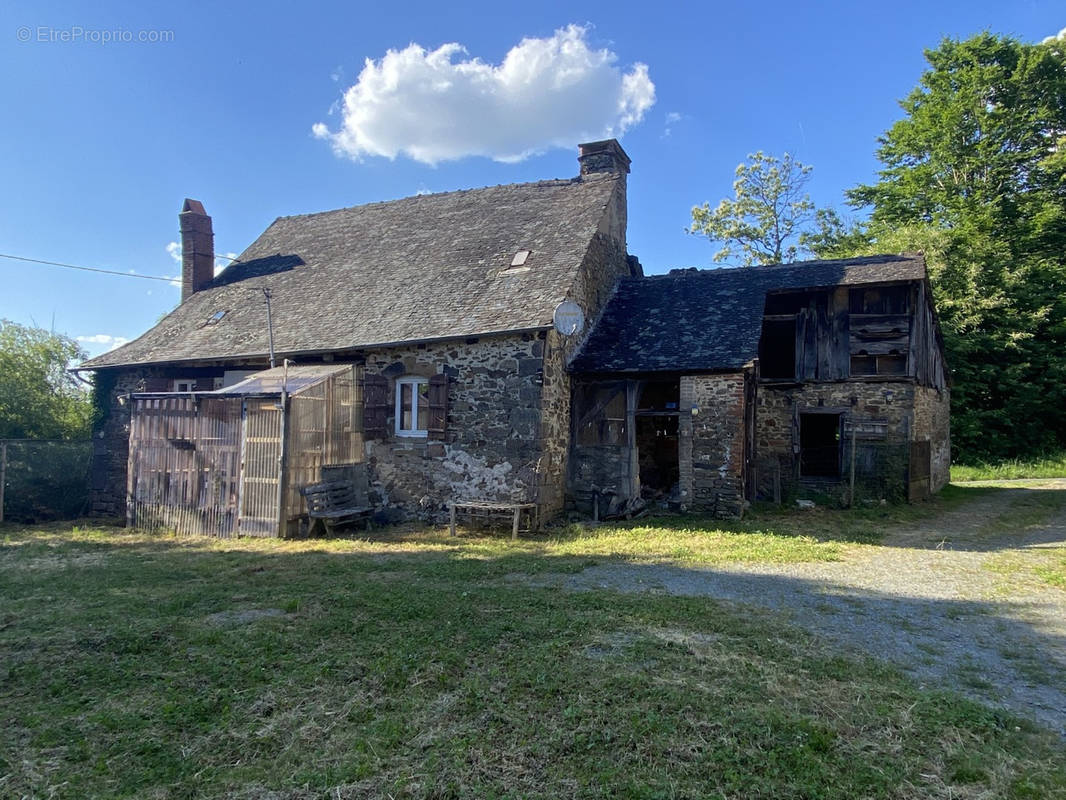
421 268
705 320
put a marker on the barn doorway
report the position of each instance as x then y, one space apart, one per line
820 445
657 440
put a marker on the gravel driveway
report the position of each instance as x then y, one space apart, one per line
938 600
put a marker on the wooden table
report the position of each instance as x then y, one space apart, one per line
487 509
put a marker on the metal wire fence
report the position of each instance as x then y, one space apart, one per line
880 468
43 479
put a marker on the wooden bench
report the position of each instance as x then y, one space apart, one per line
334 503
485 509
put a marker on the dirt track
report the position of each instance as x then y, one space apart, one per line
953 601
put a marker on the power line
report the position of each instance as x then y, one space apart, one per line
98 269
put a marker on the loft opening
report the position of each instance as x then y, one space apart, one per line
787 320
777 349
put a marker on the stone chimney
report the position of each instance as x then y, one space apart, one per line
609 157
605 156
197 248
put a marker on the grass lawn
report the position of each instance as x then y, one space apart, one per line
1047 467
418 666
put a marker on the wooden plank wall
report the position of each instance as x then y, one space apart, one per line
184 465
261 473
186 456
325 428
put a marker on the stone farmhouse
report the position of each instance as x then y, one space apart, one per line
698 389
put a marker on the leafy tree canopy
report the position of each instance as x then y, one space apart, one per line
39 398
766 221
975 176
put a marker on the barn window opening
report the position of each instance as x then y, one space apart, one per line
820 445
600 411
879 300
412 407
777 349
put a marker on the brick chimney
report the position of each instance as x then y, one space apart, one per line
197 248
609 157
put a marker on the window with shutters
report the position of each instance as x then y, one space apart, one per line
412 407
418 406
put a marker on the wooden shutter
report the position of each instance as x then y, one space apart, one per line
438 406
157 385
375 406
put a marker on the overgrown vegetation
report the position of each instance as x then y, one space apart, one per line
974 175
39 398
1053 466
420 666
47 480
770 216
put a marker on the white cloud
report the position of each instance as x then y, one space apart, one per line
550 92
222 260
672 118
174 251
105 341
1060 36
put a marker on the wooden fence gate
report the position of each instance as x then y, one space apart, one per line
261 467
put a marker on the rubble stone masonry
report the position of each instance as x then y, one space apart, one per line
932 411
711 447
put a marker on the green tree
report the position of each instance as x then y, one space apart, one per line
975 176
39 398
769 216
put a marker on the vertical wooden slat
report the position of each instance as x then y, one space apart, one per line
181 466
282 504
197 466
375 405
438 406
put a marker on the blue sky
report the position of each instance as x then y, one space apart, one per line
101 141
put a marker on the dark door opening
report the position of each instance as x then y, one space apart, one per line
820 445
657 439
657 453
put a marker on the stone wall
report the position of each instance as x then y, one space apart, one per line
491 444
111 449
605 263
884 411
711 446
932 412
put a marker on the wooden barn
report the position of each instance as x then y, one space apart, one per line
231 462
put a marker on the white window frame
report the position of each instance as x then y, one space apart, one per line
414 382
184 385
